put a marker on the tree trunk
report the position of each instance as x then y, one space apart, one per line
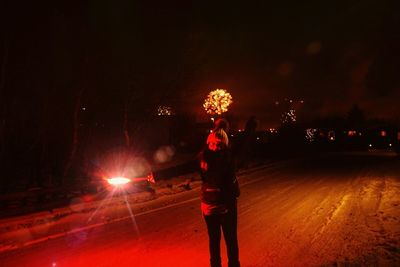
75 136
3 97
126 127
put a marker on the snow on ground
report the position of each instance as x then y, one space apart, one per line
328 211
347 216
90 211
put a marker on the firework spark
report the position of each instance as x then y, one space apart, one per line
289 116
311 134
217 102
164 111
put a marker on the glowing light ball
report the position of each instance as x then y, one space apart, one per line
217 102
118 181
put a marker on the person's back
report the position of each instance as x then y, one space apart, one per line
218 197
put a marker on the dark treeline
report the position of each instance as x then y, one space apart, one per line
79 77
71 76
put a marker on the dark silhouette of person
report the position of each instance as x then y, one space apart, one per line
219 194
247 146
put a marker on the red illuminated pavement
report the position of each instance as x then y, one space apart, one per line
337 210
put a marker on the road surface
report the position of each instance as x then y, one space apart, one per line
332 210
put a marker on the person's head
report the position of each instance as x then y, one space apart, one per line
217 140
221 123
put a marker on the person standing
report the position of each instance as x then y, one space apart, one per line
219 194
248 143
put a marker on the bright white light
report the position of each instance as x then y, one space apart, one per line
370 145
118 181
390 144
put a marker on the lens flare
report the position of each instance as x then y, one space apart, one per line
118 181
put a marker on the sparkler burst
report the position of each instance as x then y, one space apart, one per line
217 102
164 111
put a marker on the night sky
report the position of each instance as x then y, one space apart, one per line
331 54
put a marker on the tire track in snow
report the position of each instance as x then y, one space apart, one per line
334 212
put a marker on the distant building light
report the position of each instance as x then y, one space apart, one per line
83 108
258 138
352 133
370 145
390 145
359 133
331 135
383 133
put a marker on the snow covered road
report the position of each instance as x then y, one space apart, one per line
332 210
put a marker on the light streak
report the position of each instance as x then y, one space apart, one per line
131 215
103 203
